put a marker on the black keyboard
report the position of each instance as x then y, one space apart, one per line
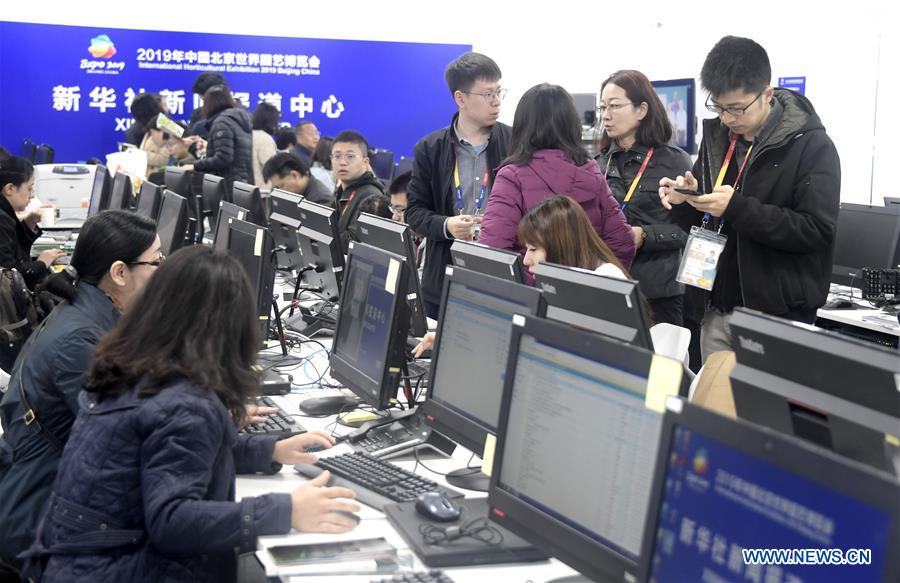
433 576
375 481
278 423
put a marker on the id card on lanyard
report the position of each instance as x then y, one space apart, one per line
479 202
634 183
704 247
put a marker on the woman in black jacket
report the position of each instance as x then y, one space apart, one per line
635 154
17 234
229 151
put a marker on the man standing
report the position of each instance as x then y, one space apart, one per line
769 181
453 167
307 140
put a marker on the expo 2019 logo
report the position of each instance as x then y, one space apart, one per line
102 47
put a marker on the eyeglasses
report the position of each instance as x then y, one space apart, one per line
159 261
612 107
397 209
490 95
732 111
349 157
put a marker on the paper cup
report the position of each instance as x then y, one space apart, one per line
48 217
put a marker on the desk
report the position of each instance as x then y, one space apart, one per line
872 325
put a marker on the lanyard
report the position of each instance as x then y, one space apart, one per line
479 202
349 200
721 177
637 178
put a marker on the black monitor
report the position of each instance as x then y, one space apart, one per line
45 154
606 305
677 96
397 238
369 350
99 191
284 221
213 193
179 181
824 387
149 200
890 201
320 245
172 224
497 262
252 246
248 196
867 236
227 211
120 197
29 150
577 444
469 359
382 164
723 487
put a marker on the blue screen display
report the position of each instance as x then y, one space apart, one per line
71 87
719 500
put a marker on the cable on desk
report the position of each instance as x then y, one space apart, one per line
479 529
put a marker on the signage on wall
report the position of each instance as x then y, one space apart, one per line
797 84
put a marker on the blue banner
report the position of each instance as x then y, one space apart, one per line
71 87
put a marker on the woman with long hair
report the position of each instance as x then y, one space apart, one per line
229 151
265 124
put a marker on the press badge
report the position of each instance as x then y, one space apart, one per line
700 259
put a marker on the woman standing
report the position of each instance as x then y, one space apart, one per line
229 151
265 124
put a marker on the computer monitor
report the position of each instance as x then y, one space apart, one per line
29 150
369 349
723 487
469 359
248 196
149 199
836 391
213 193
99 191
320 245
284 221
252 246
577 444
497 262
382 164
172 224
606 305
179 181
678 99
892 201
397 238
867 236
227 211
45 154
120 197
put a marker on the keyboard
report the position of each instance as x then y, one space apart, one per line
278 423
375 481
433 576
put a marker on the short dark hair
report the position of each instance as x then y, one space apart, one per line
322 155
16 171
462 73
378 205
194 320
400 183
655 129
105 238
285 138
216 99
300 125
4 154
546 118
282 163
734 64
206 80
145 107
266 118
353 137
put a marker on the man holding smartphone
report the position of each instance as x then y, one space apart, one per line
767 183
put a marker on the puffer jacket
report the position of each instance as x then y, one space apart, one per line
229 152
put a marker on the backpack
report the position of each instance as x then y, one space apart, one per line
19 315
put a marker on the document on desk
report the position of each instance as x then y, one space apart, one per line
364 550
883 320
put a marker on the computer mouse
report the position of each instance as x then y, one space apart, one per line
437 507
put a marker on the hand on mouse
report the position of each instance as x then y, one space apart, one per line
316 507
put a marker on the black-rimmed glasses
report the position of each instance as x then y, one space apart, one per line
732 111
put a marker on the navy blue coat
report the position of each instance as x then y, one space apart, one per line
153 482
53 366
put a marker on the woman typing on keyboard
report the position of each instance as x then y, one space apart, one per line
146 485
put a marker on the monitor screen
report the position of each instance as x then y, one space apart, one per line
283 223
248 196
370 338
320 245
149 200
724 488
171 226
497 262
678 99
99 191
382 163
227 211
213 193
867 236
252 247
121 194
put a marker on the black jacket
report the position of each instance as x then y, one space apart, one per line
783 217
15 246
432 200
317 192
349 198
229 152
656 262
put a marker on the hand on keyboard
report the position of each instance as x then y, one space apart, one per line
293 450
257 414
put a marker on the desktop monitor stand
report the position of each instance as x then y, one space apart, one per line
307 322
470 479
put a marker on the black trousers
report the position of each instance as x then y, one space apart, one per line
667 310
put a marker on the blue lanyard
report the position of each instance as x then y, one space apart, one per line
479 202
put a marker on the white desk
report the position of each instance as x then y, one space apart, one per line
870 323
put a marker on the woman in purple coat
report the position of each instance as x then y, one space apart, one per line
546 158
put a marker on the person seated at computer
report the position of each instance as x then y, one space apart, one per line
18 230
115 254
289 173
321 166
265 123
229 150
546 158
151 461
399 191
350 161
378 205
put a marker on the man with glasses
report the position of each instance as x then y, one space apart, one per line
453 167
769 180
356 181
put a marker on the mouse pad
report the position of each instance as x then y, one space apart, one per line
464 551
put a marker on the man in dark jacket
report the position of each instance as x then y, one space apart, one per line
291 174
442 208
229 152
777 200
199 125
350 161
307 135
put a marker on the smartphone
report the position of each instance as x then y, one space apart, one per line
688 191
